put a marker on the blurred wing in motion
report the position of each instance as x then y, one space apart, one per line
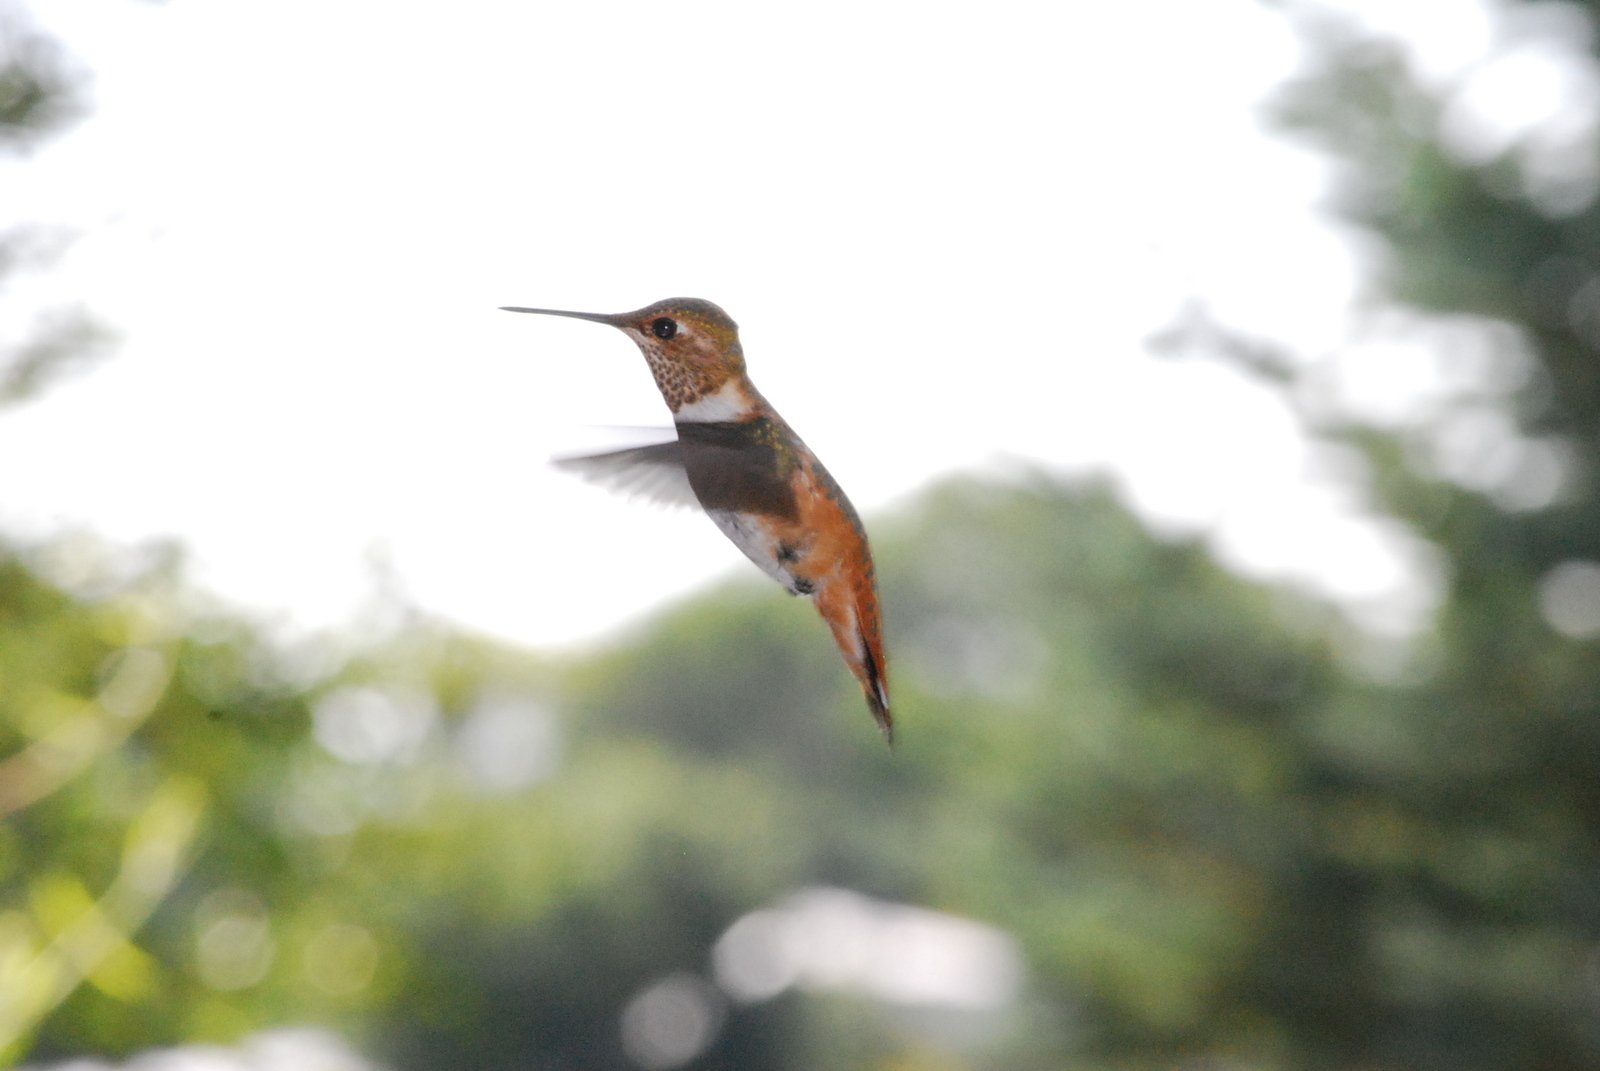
653 472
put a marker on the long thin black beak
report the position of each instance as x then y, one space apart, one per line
597 317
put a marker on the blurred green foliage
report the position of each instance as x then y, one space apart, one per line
1077 776
1220 831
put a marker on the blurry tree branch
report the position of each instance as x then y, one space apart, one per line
76 732
56 344
41 94
69 936
40 87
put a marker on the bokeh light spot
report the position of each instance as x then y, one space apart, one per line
506 744
366 725
233 939
828 938
671 1022
341 959
135 678
1569 598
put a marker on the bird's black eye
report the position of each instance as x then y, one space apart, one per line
663 327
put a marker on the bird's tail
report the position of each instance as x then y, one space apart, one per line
850 606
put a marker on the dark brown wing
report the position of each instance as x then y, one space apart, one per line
744 466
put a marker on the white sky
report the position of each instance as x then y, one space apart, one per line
946 235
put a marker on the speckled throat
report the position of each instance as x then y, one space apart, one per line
683 379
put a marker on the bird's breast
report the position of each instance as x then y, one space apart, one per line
771 544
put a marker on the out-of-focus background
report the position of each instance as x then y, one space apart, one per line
1221 387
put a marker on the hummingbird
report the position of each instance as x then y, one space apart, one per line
738 460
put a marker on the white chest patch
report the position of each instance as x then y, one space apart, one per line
756 544
727 402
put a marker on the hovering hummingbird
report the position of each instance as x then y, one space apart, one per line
737 459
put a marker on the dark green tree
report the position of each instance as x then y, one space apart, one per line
1444 911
